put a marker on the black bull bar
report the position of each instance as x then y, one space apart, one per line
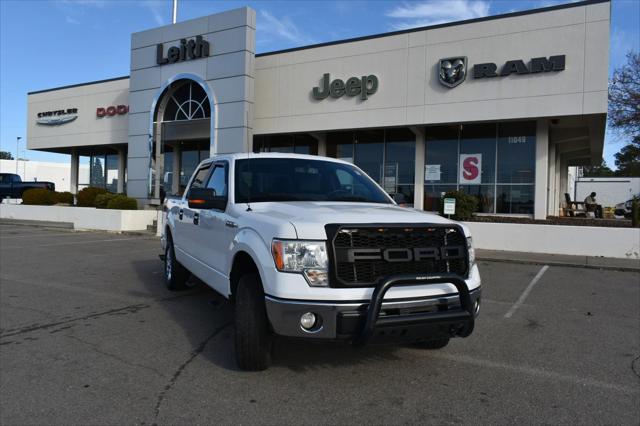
464 315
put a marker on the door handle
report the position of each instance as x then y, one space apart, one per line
196 218
230 224
180 213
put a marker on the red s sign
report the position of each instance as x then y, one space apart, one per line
470 168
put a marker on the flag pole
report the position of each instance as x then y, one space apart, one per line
175 11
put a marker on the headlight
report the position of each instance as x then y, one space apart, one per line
305 257
471 251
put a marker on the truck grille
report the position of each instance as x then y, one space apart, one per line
361 255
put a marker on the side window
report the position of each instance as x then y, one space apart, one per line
200 177
218 181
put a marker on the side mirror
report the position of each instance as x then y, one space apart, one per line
206 198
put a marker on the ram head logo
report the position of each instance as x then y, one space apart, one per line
452 71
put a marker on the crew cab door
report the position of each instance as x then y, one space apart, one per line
213 232
183 219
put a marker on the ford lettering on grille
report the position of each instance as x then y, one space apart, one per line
362 255
405 254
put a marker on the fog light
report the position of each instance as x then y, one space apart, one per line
476 307
308 320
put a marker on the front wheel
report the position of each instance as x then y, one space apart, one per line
253 339
175 275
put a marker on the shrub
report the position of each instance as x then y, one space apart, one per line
38 197
103 199
87 196
64 198
465 205
122 202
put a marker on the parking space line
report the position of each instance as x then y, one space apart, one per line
539 372
526 292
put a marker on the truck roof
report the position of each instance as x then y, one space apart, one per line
245 155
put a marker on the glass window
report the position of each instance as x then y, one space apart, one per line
485 196
480 139
401 153
433 194
284 179
111 170
189 161
515 199
188 102
340 145
299 144
516 152
96 173
369 152
218 181
200 177
441 155
305 144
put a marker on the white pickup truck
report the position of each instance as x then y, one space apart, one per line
311 247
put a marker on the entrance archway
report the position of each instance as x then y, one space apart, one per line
181 133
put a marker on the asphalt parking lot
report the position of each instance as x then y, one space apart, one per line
89 335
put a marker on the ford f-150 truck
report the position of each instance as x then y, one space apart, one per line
12 186
311 247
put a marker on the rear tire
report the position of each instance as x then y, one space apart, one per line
253 339
433 344
175 275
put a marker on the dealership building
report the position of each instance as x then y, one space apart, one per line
498 107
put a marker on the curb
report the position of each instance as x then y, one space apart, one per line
626 265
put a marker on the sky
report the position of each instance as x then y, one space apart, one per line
51 43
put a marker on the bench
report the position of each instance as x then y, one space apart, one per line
574 208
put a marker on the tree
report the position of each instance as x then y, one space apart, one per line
5 155
601 170
628 159
624 114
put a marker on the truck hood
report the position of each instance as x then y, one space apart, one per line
309 217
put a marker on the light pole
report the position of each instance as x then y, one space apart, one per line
17 144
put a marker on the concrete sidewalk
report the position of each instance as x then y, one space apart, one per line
559 260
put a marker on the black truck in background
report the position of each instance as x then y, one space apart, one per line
12 186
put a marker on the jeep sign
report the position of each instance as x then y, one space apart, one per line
364 86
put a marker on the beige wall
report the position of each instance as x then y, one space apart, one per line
406 66
87 129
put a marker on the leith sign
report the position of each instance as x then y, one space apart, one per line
187 50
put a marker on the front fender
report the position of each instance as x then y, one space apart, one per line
249 241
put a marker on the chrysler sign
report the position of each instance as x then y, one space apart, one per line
57 117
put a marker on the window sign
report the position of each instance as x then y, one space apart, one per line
449 206
470 167
432 172
390 178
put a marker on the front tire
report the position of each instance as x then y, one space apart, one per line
175 275
253 339
433 344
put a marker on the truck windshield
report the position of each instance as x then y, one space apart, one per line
285 179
